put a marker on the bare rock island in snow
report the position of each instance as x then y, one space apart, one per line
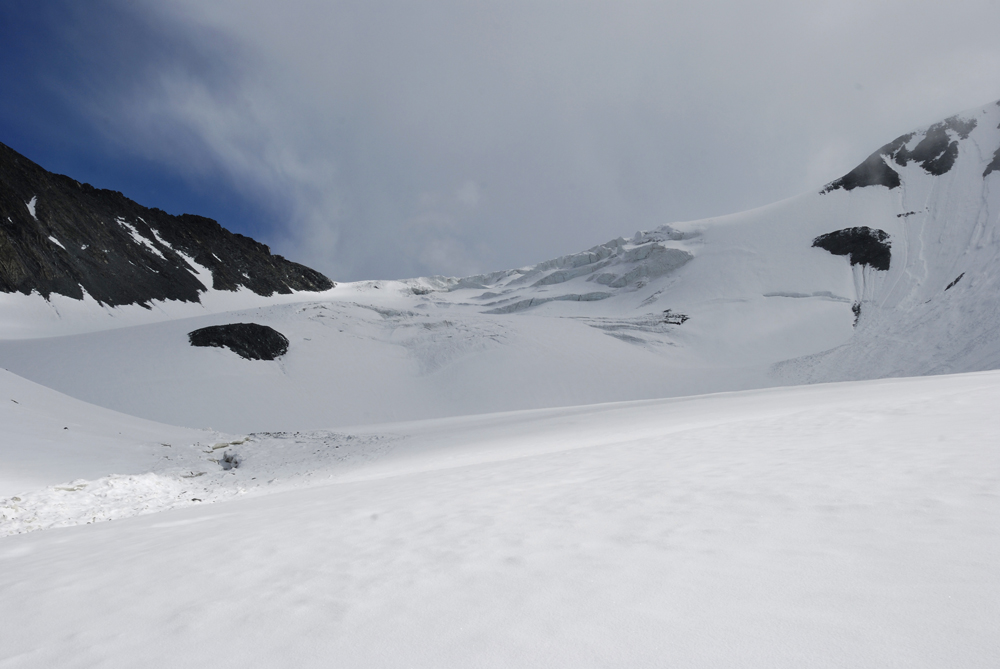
248 340
60 236
862 246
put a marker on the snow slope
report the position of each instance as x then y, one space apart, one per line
352 362
827 526
49 438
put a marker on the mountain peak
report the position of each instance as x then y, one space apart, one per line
934 149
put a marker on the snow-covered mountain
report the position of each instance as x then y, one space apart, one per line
890 270
848 524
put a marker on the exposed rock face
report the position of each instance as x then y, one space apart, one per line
248 340
60 236
863 246
874 171
994 165
935 152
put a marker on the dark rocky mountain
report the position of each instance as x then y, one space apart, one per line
935 152
58 235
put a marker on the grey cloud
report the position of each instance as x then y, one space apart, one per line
397 139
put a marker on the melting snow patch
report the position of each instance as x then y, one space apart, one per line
56 242
31 207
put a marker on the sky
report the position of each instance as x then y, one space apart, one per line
380 139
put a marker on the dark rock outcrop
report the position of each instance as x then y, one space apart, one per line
61 236
863 246
994 165
953 283
248 340
936 153
874 171
675 319
230 461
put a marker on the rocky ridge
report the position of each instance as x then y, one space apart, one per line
58 235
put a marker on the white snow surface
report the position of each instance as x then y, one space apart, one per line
827 526
49 438
525 467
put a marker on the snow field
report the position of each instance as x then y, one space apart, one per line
839 525
391 358
851 524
